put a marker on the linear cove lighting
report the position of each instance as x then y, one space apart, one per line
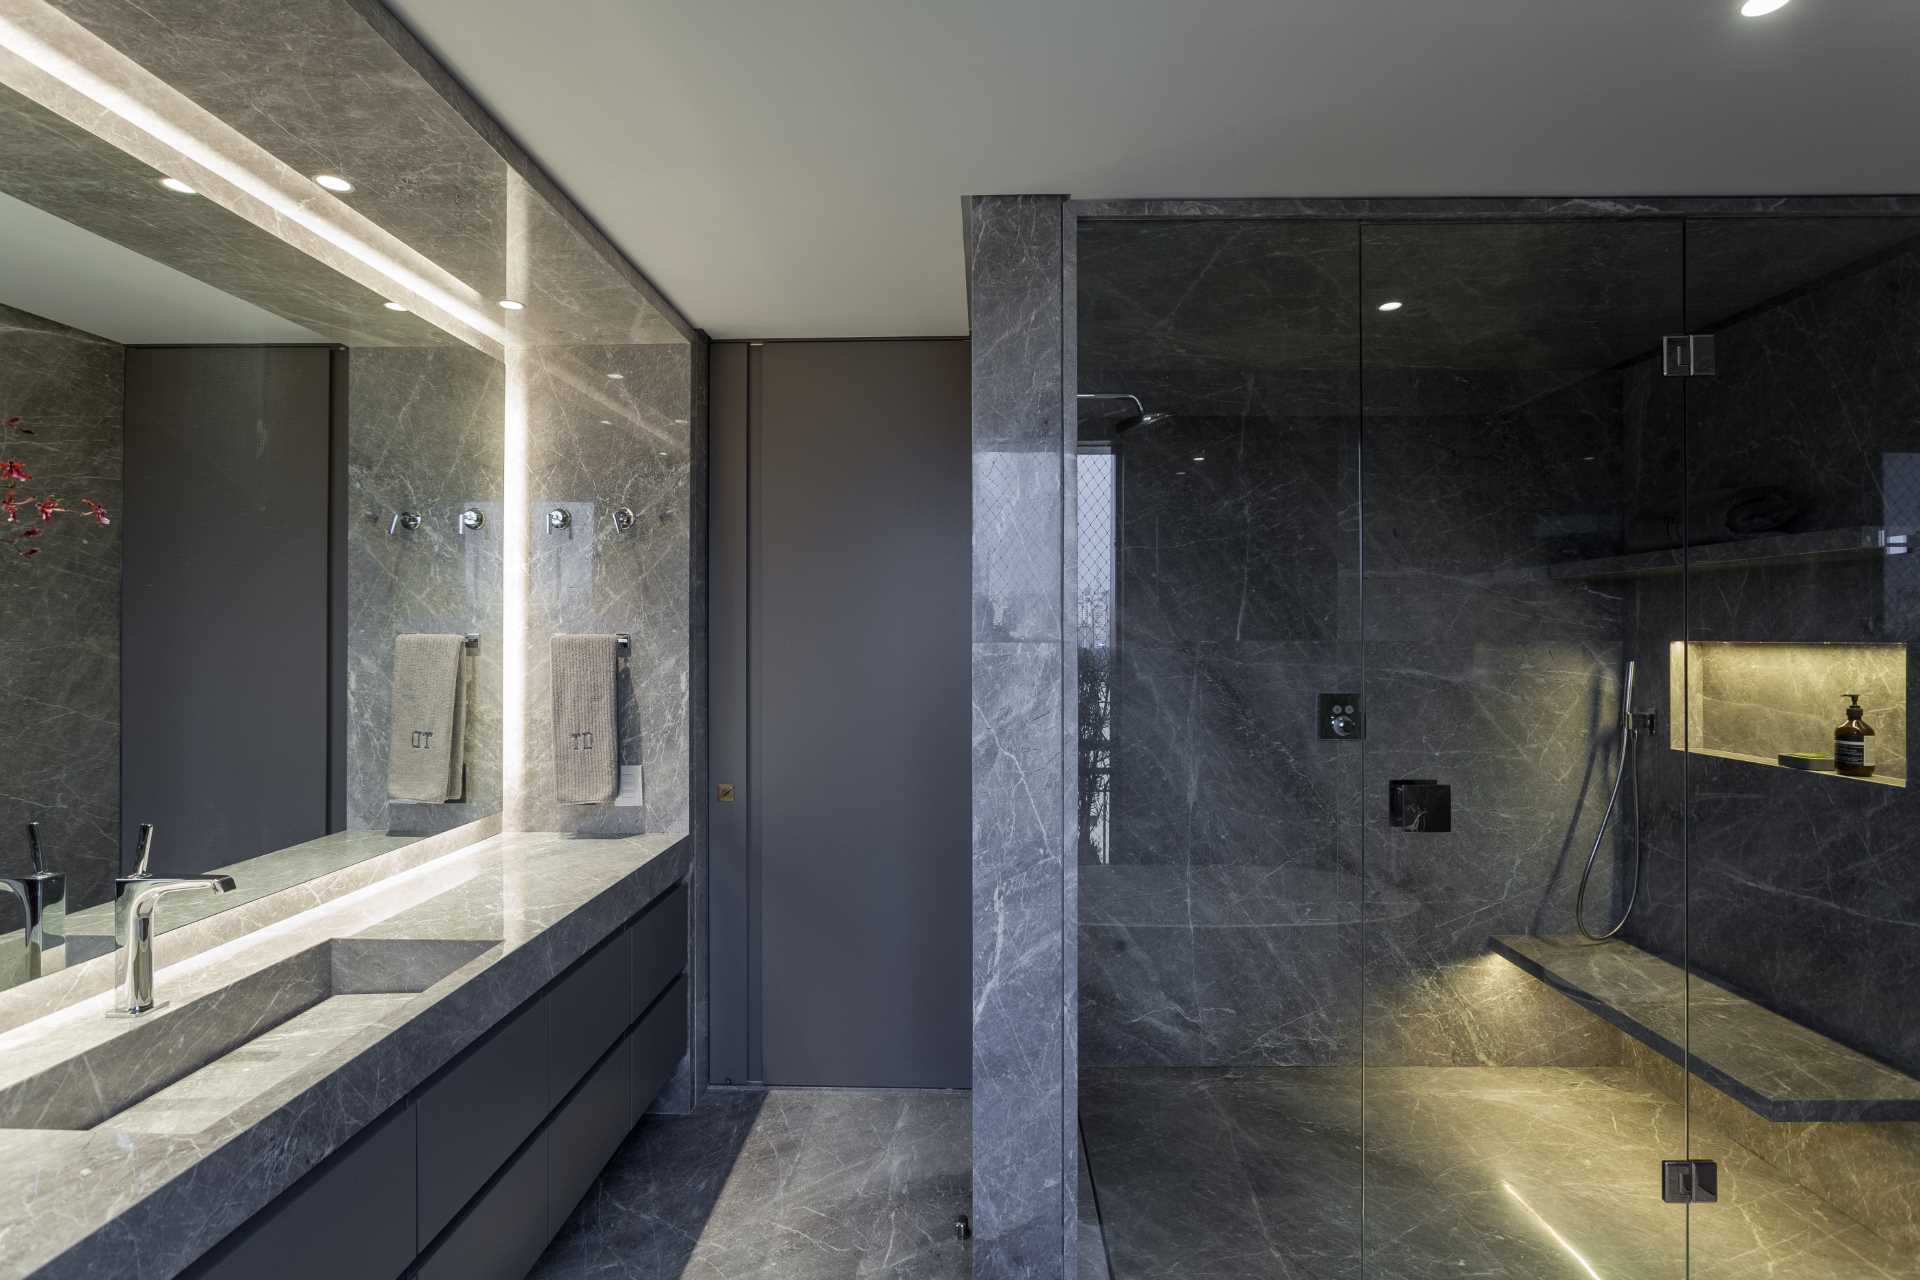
174 184
1761 8
333 183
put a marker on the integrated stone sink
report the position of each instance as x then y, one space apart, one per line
180 1068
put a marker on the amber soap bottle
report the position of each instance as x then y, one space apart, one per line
1850 754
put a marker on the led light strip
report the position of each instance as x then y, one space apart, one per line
65 68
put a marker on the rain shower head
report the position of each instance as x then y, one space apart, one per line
1140 417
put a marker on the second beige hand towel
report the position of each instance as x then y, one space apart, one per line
586 727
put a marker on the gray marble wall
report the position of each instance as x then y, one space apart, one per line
1025 1071
1223 923
1801 888
598 444
60 637
424 435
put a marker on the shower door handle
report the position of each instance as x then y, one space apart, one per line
1419 804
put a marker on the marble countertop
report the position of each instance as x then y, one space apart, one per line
139 1199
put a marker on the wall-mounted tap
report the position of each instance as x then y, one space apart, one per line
43 896
134 898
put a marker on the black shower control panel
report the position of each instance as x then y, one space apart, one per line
1419 804
1340 717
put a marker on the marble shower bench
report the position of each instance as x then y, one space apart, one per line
1773 1066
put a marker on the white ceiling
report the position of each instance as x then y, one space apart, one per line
86 282
795 168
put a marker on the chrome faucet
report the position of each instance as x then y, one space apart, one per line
43 895
134 898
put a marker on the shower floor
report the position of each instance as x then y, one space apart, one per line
1485 1172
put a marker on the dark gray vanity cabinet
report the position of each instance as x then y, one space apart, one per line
368 1183
479 1110
472 1175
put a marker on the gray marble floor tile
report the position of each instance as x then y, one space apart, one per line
1414 1173
807 1184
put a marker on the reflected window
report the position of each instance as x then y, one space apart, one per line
1097 475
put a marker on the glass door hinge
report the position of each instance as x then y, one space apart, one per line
1689 1181
1686 355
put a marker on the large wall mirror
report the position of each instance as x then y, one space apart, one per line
250 554
326 419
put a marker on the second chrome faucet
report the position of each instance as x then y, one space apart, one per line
134 898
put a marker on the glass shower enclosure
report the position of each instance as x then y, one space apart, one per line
1467 605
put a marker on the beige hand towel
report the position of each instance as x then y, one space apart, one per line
586 730
426 754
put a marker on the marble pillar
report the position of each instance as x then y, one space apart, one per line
1024 981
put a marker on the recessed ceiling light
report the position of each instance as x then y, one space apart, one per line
394 306
617 377
508 304
333 182
1761 8
174 184
1199 457
1392 305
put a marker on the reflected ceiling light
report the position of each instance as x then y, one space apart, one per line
174 184
333 183
1548 1227
618 377
57 63
394 306
1199 457
508 304
1761 8
1392 305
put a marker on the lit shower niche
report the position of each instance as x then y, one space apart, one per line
1757 700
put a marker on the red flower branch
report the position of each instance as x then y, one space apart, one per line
14 473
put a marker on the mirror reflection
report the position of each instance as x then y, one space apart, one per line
250 532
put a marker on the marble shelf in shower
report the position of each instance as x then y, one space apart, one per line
1878 779
1769 1064
1748 553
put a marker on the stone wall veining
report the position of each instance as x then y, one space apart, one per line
597 444
1225 926
1025 1071
60 641
1800 890
424 435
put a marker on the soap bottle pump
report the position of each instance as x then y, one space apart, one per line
1850 742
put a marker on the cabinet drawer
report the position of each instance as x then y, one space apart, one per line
584 1133
586 1012
369 1184
659 1042
473 1117
504 1233
659 947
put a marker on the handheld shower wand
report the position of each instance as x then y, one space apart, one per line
1630 729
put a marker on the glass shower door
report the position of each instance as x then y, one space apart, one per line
1518 447
1803 919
